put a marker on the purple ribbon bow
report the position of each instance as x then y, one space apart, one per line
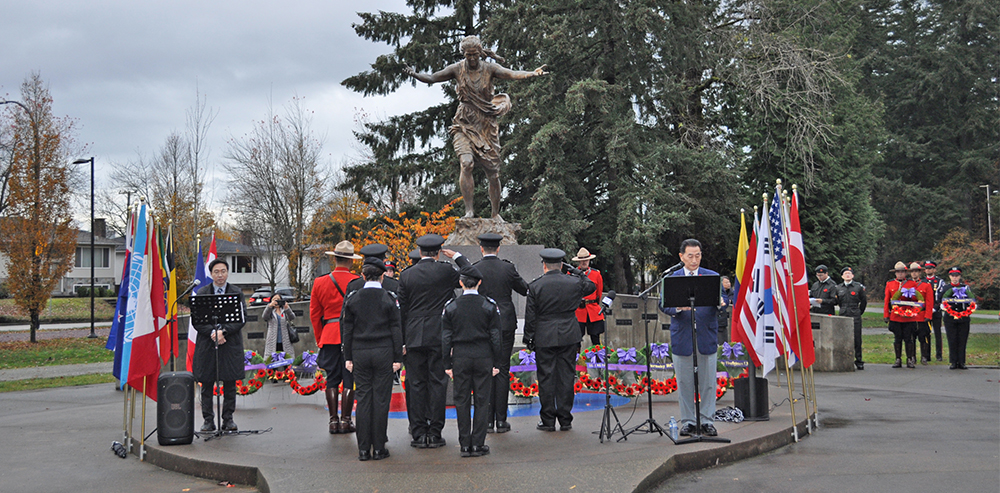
908 292
660 350
626 355
597 356
527 358
247 356
959 292
278 356
732 352
309 360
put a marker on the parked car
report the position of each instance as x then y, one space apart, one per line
262 295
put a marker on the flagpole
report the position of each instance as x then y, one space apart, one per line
124 414
131 418
795 311
142 439
812 378
774 285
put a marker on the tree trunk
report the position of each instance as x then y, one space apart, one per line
34 324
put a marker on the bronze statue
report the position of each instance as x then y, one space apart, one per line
474 130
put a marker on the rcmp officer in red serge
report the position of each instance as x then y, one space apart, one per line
590 314
423 291
853 299
937 285
373 351
375 250
823 291
470 346
552 331
500 279
325 304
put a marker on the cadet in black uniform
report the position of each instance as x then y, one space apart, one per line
375 250
423 291
500 278
853 299
373 349
824 290
470 345
937 285
550 325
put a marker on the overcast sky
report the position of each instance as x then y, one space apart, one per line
128 70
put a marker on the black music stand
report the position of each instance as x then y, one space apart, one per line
693 291
215 310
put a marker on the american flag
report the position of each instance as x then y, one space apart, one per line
782 275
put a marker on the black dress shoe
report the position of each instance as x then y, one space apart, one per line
687 430
953 367
544 427
419 442
465 451
364 455
480 450
435 441
859 365
209 426
381 454
565 427
229 425
489 428
708 429
503 427
961 366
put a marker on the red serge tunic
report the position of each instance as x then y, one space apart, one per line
325 303
910 287
591 311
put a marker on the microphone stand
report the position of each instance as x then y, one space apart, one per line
650 425
607 429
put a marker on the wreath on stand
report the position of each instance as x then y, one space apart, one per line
523 382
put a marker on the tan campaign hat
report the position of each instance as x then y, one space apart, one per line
916 266
345 249
583 254
899 266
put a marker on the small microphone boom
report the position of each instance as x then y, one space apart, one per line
674 269
607 301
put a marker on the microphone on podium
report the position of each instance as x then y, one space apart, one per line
607 301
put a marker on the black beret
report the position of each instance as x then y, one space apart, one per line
375 262
846 269
377 250
430 242
471 271
821 268
955 270
490 240
552 255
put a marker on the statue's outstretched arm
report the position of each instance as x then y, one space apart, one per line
502 72
447 73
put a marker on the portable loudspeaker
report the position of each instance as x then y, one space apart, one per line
741 396
175 408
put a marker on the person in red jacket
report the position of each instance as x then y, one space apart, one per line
590 314
325 304
904 307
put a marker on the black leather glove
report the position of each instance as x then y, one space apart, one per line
529 343
572 270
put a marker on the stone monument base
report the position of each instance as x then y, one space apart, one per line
467 229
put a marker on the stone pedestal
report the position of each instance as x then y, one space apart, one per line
468 229
833 339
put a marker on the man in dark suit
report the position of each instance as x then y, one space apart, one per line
470 340
500 279
707 319
230 341
375 250
423 291
552 331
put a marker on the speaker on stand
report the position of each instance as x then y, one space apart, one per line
175 408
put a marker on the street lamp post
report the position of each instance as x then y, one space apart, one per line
91 161
989 215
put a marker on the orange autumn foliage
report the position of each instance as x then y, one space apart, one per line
400 234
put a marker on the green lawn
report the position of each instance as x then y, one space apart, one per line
49 352
875 320
982 349
59 310
46 383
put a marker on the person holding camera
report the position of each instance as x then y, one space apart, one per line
280 331
551 327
